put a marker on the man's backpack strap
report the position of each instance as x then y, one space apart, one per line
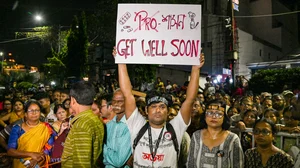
140 134
174 137
169 128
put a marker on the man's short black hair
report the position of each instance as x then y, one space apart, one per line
83 92
65 91
106 97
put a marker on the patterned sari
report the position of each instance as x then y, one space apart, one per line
14 117
37 139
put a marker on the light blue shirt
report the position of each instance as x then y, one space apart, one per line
117 148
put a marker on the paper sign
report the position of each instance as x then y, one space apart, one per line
158 34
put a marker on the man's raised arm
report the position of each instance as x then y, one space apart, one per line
192 91
126 88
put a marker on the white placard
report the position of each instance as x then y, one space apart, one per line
158 34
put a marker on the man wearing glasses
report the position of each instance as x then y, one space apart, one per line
117 147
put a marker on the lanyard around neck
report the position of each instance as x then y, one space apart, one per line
153 154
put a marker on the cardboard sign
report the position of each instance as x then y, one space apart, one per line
158 34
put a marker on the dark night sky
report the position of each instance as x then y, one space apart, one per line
54 12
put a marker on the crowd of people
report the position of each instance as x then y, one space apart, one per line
167 126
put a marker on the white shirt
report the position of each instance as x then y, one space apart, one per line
166 155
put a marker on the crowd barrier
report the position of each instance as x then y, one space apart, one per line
281 135
294 151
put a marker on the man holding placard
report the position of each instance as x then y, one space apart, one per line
156 147
158 34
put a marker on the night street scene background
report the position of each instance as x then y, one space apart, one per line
263 34
82 81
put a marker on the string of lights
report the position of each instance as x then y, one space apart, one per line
257 16
13 40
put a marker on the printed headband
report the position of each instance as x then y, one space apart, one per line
157 99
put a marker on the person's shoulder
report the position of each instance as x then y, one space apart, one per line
233 135
90 120
85 116
197 133
16 128
48 126
250 151
284 155
111 123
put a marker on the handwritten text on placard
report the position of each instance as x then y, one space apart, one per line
158 34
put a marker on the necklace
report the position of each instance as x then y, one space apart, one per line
31 126
214 137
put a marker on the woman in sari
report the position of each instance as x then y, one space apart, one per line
30 143
213 145
16 114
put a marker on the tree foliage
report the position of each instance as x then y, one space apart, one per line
56 38
55 68
7 79
142 73
77 44
25 85
273 80
47 34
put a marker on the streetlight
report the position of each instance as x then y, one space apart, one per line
1 54
38 18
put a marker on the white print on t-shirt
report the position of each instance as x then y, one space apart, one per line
166 155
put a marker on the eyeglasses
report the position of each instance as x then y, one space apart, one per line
264 132
117 101
214 114
33 111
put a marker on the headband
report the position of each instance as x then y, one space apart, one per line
157 99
